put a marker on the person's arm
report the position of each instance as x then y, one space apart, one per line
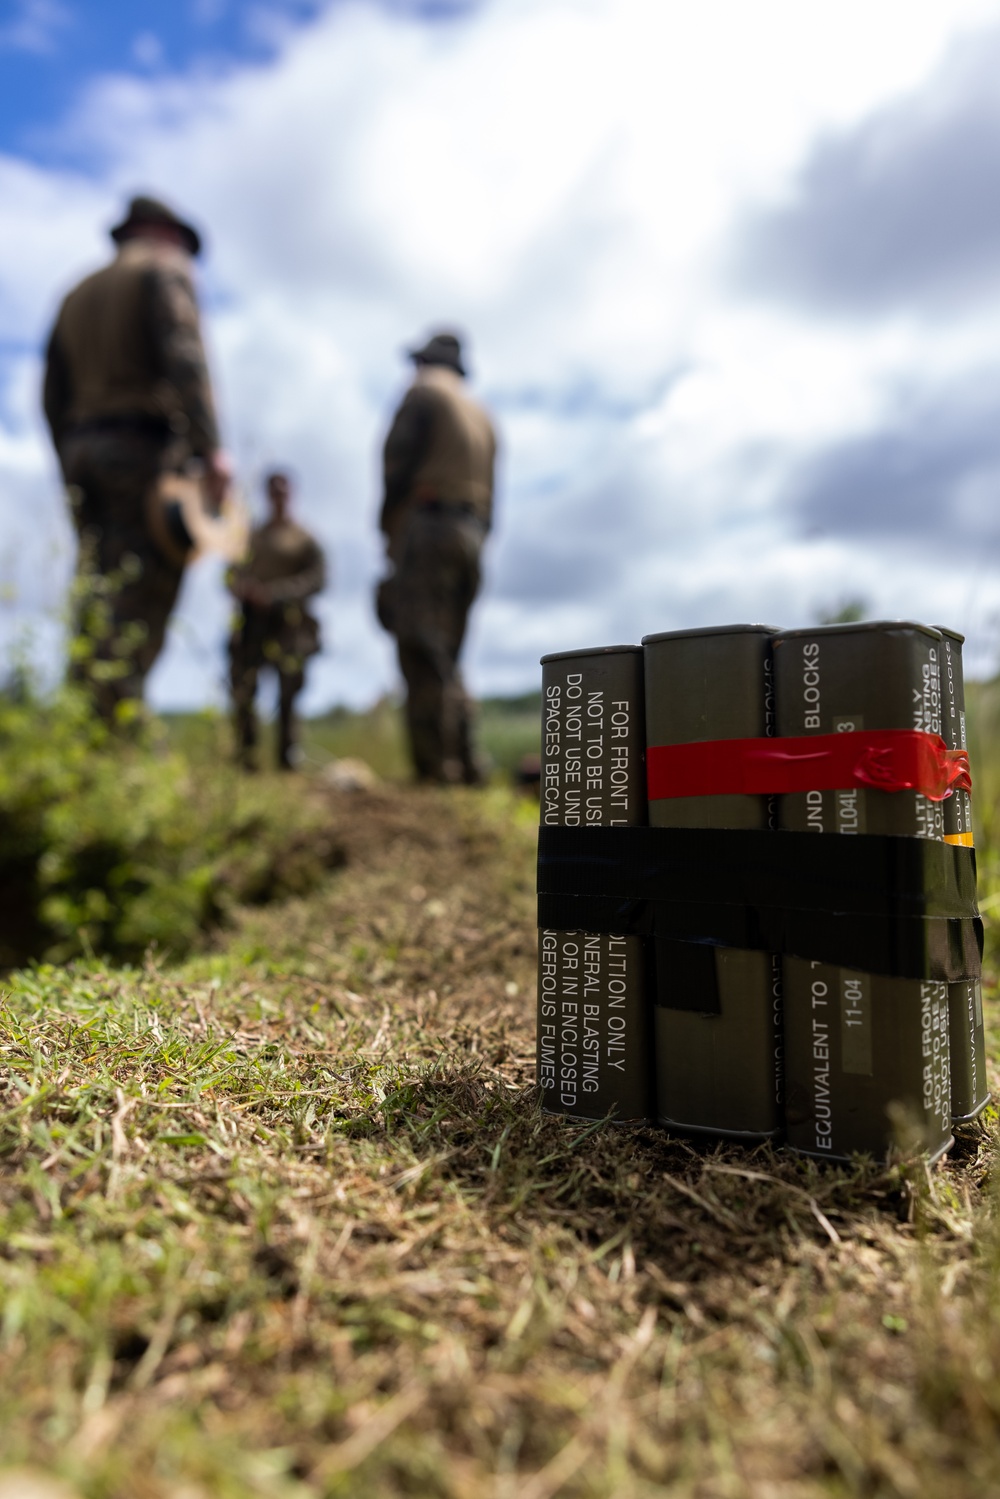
57 392
175 330
240 578
405 449
493 462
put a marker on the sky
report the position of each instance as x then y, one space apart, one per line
730 276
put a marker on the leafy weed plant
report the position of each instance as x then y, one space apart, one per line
114 844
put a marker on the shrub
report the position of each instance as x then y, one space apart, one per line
111 844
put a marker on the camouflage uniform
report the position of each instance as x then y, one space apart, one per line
438 465
288 564
127 398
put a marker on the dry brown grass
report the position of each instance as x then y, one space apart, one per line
287 1221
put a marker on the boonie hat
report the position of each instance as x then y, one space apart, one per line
145 210
441 348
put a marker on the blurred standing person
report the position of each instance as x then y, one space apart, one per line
128 400
436 512
285 567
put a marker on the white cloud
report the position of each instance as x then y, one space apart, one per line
561 180
34 27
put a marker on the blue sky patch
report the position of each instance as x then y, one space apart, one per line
51 49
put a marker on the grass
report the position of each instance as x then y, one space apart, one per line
284 1220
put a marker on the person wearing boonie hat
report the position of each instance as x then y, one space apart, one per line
437 508
128 401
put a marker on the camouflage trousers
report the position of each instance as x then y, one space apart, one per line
124 589
430 594
280 638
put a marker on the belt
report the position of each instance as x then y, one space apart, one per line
139 423
449 507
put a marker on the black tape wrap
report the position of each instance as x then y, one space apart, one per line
905 907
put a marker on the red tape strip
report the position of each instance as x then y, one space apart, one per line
883 759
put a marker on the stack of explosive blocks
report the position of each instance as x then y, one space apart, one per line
705 959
